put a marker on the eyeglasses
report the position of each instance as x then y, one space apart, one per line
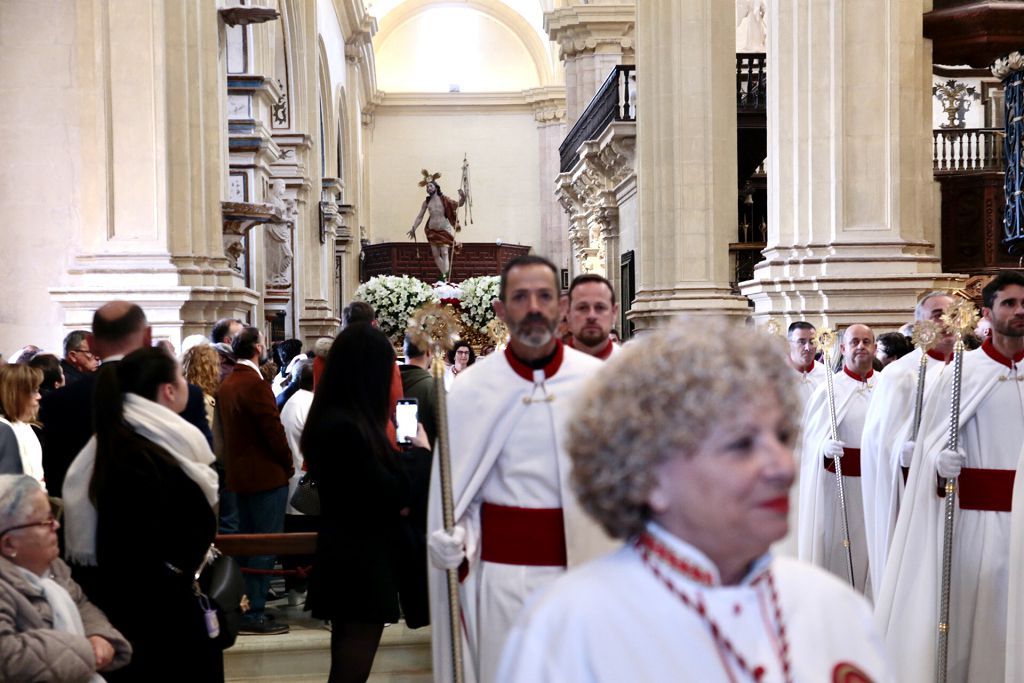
50 521
86 352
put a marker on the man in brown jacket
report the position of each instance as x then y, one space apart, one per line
258 463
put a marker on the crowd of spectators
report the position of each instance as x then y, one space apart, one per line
152 453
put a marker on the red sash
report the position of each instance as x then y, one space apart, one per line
533 537
984 489
850 464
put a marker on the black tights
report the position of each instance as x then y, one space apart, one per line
353 647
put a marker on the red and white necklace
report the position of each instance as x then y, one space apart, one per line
649 547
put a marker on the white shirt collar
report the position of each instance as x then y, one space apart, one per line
251 365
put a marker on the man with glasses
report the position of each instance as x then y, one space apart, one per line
811 373
78 360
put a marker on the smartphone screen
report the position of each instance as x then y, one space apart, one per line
407 416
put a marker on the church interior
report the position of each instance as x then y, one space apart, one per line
786 160
260 159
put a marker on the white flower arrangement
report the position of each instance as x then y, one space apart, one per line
478 293
447 291
394 299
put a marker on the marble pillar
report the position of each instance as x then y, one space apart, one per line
549 111
853 207
686 160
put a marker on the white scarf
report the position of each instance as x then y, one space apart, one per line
156 423
29 449
66 617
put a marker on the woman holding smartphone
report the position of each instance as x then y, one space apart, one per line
368 493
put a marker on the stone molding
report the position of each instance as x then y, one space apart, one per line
586 29
548 104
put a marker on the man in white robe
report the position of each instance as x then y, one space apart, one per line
591 315
518 525
990 437
810 373
820 539
887 443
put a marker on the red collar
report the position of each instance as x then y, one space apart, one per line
858 377
932 353
526 372
603 354
989 348
806 369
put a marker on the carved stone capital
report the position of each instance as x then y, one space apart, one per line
243 16
238 218
592 28
548 104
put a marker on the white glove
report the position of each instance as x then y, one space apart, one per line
949 463
447 551
906 453
833 448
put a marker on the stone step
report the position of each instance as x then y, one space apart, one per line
304 654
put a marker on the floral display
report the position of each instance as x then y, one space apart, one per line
478 293
394 298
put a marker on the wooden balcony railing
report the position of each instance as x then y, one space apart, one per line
614 101
751 82
968 150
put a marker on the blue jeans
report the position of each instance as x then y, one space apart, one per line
260 513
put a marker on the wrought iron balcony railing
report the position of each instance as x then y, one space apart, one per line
968 150
751 82
614 101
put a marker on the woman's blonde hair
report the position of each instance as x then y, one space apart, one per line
201 366
18 383
658 399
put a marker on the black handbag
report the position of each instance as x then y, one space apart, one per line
221 583
306 498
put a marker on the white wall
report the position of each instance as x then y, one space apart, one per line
502 152
39 169
453 46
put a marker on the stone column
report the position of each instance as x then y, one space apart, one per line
686 159
549 111
592 38
153 147
852 214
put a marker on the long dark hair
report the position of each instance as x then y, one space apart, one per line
141 372
355 385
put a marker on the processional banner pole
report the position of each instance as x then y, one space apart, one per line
926 336
959 317
824 341
435 328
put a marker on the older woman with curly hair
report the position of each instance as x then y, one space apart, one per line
683 447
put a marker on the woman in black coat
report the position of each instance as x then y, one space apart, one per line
154 490
368 490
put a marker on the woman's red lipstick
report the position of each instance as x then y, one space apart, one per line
780 504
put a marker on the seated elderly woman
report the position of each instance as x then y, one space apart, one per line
683 446
49 631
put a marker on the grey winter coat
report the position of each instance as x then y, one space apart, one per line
31 650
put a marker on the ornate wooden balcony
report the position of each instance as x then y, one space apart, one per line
968 150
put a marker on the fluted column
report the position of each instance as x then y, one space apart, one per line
549 112
853 206
686 159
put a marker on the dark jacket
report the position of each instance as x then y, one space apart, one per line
150 513
71 373
10 453
368 554
255 450
417 383
66 416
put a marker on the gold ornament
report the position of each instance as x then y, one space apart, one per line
772 327
961 317
927 334
428 177
825 339
497 331
434 327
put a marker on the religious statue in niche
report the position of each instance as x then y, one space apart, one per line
279 238
751 25
442 218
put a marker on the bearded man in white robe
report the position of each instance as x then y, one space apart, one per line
518 525
820 539
886 446
991 430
